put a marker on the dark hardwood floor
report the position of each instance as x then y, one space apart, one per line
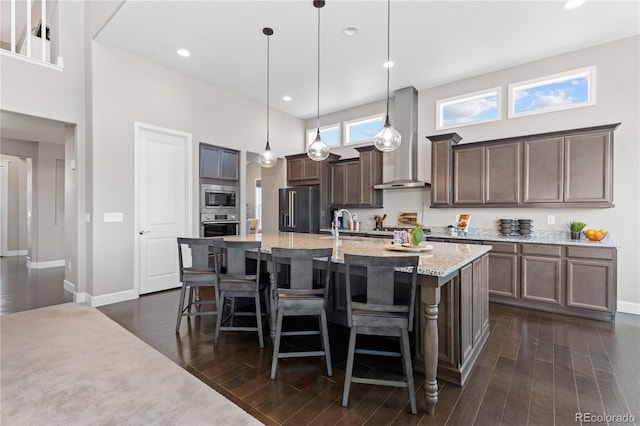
22 289
537 368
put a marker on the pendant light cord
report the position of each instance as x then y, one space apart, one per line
388 56
268 90
318 71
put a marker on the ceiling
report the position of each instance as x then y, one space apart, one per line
432 42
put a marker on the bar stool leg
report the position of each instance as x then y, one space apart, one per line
325 341
349 373
276 344
408 369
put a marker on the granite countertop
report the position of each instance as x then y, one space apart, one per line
441 261
488 234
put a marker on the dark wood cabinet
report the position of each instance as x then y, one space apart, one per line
504 271
218 163
591 279
468 175
588 168
352 180
301 170
543 170
502 175
572 168
442 168
542 276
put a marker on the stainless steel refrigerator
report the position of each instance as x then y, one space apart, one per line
300 209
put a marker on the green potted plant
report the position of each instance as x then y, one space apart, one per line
576 228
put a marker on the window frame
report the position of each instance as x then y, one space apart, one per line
589 72
311 135
361 120
442 103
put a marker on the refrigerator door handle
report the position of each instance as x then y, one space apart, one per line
293 198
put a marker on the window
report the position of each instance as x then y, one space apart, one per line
572 89
468 109
363 129
329 134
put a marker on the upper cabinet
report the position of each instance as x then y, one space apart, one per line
302 170
569 168
352 180
218 163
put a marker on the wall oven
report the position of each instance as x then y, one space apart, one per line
219 199
219 224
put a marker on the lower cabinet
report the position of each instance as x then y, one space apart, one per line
542 277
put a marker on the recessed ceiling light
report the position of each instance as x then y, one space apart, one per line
388 64
351 31
184 52
572 4
286 98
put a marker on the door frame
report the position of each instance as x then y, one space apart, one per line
4 207
137 158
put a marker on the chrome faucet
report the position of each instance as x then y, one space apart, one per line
335 225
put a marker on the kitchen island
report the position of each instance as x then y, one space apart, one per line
453 294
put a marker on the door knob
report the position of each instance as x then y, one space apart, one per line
143 232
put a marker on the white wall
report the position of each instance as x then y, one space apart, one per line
618 89
126 89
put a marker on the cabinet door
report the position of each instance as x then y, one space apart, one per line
590 284
502 173
209 162
503 275
441 173
370 175
311 169
543 170
352 188
588 175
228 165
337 185
542 279
468 176
295 169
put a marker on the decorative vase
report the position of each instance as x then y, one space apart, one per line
575 235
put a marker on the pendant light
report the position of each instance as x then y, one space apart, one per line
388 139
267 159
318 150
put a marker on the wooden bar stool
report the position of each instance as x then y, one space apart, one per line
300 298
195 277
382 313
237 283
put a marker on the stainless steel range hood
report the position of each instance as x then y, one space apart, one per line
405 121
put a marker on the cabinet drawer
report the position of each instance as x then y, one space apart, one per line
591 252
502 247
542 250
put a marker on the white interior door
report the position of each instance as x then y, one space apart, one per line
163 204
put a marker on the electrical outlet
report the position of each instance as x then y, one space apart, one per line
551 220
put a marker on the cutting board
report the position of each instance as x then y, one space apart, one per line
407 218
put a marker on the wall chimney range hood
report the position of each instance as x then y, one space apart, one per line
405 120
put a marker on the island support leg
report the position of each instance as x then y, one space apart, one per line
272 300
430 298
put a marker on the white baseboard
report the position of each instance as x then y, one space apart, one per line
16 253
77 297
108 299
44 265
628 307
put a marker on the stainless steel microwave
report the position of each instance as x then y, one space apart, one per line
219 199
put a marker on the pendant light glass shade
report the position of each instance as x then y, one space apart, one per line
318 150
388 139
267 159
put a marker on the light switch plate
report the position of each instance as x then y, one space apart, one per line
551 220
114 217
